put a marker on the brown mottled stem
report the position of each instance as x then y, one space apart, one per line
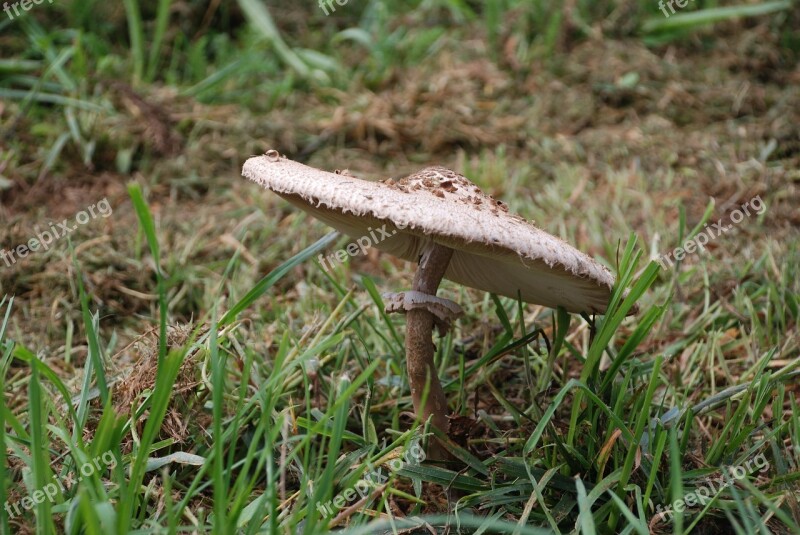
419 344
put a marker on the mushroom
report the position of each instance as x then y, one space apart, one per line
441 220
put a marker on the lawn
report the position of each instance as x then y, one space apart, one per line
183 351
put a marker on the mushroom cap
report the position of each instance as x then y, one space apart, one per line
494 250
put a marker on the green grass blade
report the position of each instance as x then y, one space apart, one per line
148 226
218 381
136 36
95 353
41 463
162 19
275 275
4 526
683 21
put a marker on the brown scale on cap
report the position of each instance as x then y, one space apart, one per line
447 184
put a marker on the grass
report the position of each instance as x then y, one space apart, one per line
186 365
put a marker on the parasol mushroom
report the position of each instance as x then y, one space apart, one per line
454 230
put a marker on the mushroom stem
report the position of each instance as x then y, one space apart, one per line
419 342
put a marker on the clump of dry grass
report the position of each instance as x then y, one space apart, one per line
185 416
